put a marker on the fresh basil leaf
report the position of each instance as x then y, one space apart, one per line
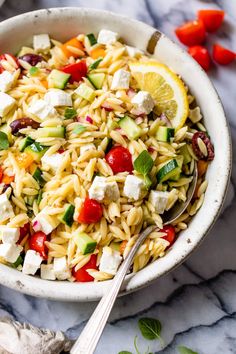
184 350
4 143
124 352
95 64
79 129
150 328
70 113
33 70
144 163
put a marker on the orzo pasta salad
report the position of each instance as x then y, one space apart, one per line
97 141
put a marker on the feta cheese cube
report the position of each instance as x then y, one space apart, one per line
107 37
159 200
87 147
32 262
10 252
52 162
41 42
6 81
6 103
44 222
101 189
47 272
112 192
57 97
9 234
143 101
120 80
110 261
133 187
61 268
42 110
5 208
133 52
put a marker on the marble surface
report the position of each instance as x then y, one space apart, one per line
196 303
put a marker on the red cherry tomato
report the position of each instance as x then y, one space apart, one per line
201 55
170 234
91 212
81 274
3 57
77 71
120 160
24 230
223 55
37 243
1 174
191 33
212 19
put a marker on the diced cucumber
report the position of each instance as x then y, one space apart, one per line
7 130
17 262
92 39
39 197
25 50
176 176
169 170
52 132
68 216
147 181
96 79
37 175
111 124
36 151
85 243
25 142
115 246
131 129
58 79
185 153
85 92
95 64
164 133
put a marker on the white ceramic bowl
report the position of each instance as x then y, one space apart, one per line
63 23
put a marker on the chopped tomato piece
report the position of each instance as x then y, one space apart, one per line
120 160
8 179
191 33
77 71
1 174
212 19
37 243
73 42
91 212
24 230
170 233
4 57
81 274
223 55
201 55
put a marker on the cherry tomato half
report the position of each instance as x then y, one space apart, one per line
37 243
91 212
3 57
222 55
191 33
212 19
77 71
120 160
81 274
170 234
201 55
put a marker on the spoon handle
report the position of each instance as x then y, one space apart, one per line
88 339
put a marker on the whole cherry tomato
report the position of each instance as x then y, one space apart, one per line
201 55
170 234
191 33
77 71
120 160
90 212
223 55
81 274
212 19
37 243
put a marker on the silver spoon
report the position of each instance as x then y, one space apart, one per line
88 339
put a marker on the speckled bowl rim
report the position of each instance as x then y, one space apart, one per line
155 42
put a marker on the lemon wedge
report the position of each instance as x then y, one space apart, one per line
165 87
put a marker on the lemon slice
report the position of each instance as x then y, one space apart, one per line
166 89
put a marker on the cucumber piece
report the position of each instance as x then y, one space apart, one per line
53 132
85 92
176 176
111 124
96 79
25 142
95 64
164 133
131 129
7 130
85 243
169 170
36 151
185 153
68 216
57 79
17 262
37 175
39 197
92 39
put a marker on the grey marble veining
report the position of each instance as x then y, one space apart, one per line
196 303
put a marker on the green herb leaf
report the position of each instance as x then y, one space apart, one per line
33 70
95 64
92 38
79 129
150 328
70 113
184 350
124 352
4 143
144 163
17 262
